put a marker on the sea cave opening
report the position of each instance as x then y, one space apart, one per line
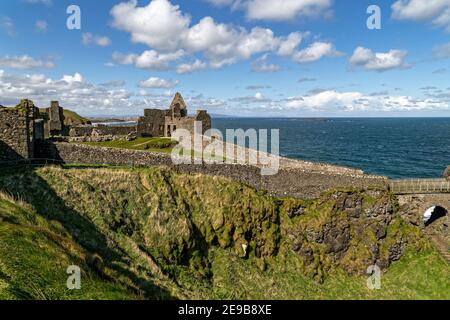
433 213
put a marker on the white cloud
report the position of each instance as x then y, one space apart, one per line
435 11
73 79
276 10
164 28
332 100
261 65
258 98
73 91
149 59
114 83
382 61
126 59
88 38
158 25
442 52
315 52
290 44
189 68
41 26
158 83
288 10
24 62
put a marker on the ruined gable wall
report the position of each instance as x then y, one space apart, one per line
15 134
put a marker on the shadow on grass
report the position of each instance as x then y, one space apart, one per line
37 192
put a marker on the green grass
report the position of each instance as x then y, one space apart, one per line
417 276
34 256
157 144
73 118
156 234
144 144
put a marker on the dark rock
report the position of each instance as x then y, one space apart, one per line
337 239
396 251
446 173
296 212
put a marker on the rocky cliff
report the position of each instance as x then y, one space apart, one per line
156 233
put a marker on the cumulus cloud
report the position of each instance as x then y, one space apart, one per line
435 11
357 101
290 9
191 67
315 52
261 65
378 61
149 59
88 38
164 28
73 91
24 62
272 10
158 25
158 83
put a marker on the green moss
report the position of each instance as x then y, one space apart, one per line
154 233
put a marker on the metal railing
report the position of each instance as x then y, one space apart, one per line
419 186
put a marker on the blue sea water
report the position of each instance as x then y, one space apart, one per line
394 147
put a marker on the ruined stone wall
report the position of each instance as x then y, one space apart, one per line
15 131
101 131
152 123
300 183
205 118
187 123
172 124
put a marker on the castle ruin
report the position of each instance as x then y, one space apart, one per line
24 126
24 129
162 123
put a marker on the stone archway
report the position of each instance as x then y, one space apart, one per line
434 213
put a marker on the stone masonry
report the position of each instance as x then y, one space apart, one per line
162 123
17 128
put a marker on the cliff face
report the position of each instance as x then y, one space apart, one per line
163 234
350 229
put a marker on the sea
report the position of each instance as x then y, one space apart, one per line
400 148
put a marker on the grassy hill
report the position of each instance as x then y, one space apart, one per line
73 118
157 234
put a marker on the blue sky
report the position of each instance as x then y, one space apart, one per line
236 57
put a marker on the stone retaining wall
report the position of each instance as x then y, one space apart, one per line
288 182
